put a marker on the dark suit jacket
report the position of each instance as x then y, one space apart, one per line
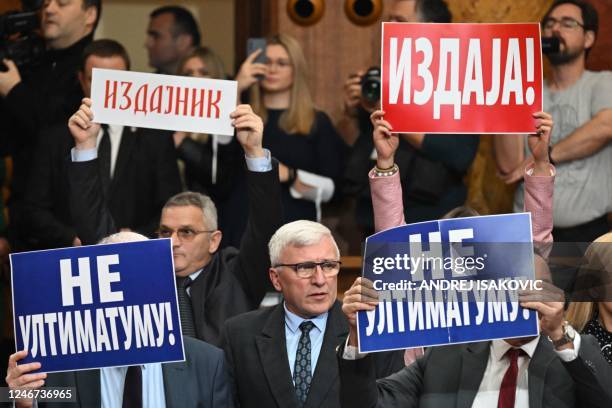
450 376
199 381
235 281
145 176
255 347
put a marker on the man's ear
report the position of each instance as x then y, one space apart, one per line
589 39
91 14
184 42
83 82
215 241
275 279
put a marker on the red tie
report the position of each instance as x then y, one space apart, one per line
507 391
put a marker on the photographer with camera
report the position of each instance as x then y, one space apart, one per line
36 94
436 164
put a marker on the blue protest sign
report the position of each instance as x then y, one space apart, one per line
449 281
97 306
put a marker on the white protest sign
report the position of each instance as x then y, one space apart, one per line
167 102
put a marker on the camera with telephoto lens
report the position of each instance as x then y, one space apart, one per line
370 85
19 40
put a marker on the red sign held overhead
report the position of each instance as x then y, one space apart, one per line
461 78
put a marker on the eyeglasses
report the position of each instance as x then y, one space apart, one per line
184 234
281 63
305 270
565 22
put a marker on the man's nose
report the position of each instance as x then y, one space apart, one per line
318 277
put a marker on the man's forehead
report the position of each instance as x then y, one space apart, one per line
324 249
566 10
162 22
404 10
183 214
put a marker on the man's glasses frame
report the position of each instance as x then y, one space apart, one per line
184 234
565 22
306 270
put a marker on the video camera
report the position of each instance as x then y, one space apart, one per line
19 40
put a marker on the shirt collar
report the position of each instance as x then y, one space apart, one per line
194 275
500 347
293 321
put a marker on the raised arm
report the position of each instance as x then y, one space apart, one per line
265 213
385 186
92 219
539 181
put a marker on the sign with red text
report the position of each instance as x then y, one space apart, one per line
167 102
461 78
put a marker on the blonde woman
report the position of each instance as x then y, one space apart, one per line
302 138
591 312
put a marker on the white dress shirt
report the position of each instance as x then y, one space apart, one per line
112 381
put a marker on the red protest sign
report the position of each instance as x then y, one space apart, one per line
461 78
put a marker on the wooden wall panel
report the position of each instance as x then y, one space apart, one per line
601 57
334 47
9 5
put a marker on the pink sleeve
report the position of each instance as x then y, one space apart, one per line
387 201
411 354
539 202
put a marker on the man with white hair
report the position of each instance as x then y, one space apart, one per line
200 380
285 355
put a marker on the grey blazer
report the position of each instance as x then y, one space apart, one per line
450 376
199 381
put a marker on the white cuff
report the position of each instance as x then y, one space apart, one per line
259 164
352 352
83 155
570 354
322 191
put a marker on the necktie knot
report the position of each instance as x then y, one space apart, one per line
514 353
184 282
306 326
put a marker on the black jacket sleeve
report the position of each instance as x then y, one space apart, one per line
592 375
359 388
265 217
43 226
90 214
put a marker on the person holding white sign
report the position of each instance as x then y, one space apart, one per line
138 167
214 284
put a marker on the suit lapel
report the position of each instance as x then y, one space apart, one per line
326 371
542 357
272 346
127 144
474 360
176 378
88 386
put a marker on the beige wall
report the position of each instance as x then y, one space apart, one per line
126 21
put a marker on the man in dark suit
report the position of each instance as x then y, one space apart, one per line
559 368
284 356
200 380
213 285
140 174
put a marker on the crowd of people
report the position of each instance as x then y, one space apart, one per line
243 213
